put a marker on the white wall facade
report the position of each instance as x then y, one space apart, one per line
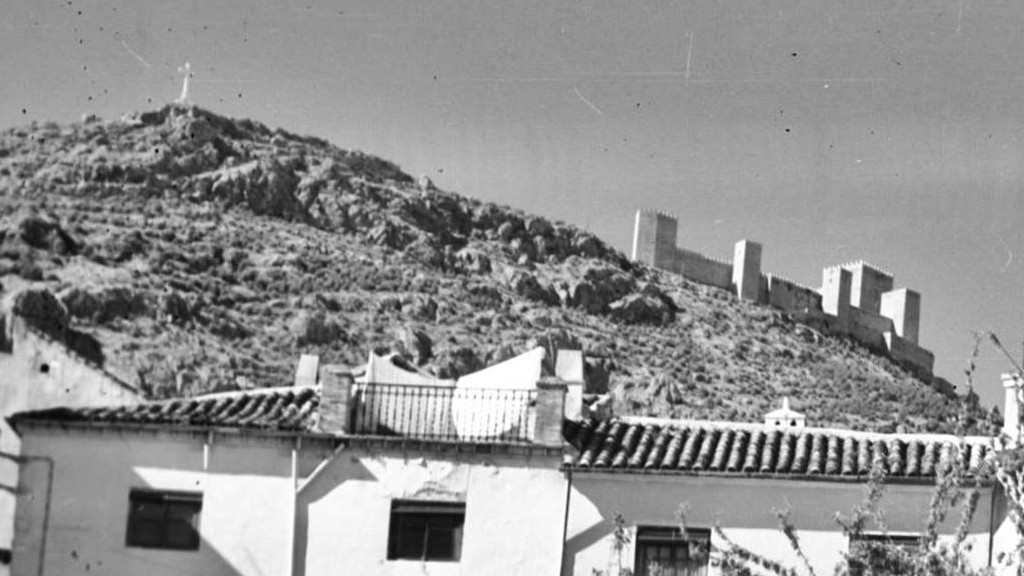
338 503
743 507
37 373
515 510
80 524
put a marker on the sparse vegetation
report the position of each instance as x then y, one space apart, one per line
206 253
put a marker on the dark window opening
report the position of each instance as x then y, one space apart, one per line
160 519
426 530
44 368
882 553
662 551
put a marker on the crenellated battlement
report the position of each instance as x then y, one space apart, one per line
864 264
856 299
695 254
791 281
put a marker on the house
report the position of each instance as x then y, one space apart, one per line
329 476
39 370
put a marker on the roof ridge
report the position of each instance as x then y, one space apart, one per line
749 426
236 393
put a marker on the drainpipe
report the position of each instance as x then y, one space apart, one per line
206 450
294 497
565 521
991 524
49 499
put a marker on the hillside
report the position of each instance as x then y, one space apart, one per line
202 253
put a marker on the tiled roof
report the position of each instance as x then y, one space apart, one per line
291 409
709 447
619 444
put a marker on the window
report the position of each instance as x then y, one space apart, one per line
160 519
426 530
882 553
662 551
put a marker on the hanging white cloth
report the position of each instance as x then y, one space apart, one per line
495 402
392 400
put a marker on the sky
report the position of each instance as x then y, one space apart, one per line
885 130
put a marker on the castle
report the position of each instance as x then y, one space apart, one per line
855 299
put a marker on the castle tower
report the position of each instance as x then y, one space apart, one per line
654 240
835 294
867 286
746 270
903 307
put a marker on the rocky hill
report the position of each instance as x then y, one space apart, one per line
194 252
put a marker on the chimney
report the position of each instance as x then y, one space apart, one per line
306 372
336 383
550 411
1011 411
569 369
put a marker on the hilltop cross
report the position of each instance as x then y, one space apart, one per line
187 71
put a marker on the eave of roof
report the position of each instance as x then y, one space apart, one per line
643 446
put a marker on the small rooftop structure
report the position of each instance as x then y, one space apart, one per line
785 417
306 371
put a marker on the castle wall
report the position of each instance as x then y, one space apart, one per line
699 268
868 328
909 354
790 296
855 299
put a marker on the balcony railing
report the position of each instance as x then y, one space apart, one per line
444 413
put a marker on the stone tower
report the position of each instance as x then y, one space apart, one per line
654 240
903 306
835 294
746 270
867 286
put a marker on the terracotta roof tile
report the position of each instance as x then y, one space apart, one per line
744 449
290 409
618 444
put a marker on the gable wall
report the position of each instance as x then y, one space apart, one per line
68 380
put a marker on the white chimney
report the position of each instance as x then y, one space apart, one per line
569 369
306 371
1011 405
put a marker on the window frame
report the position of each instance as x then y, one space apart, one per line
167 500
670 537
437 517
900 540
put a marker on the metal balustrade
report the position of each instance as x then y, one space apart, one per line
489 415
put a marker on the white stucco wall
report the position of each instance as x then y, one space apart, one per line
744 509
514 512
68 380
515 505
245 525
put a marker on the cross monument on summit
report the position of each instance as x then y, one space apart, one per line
187 71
